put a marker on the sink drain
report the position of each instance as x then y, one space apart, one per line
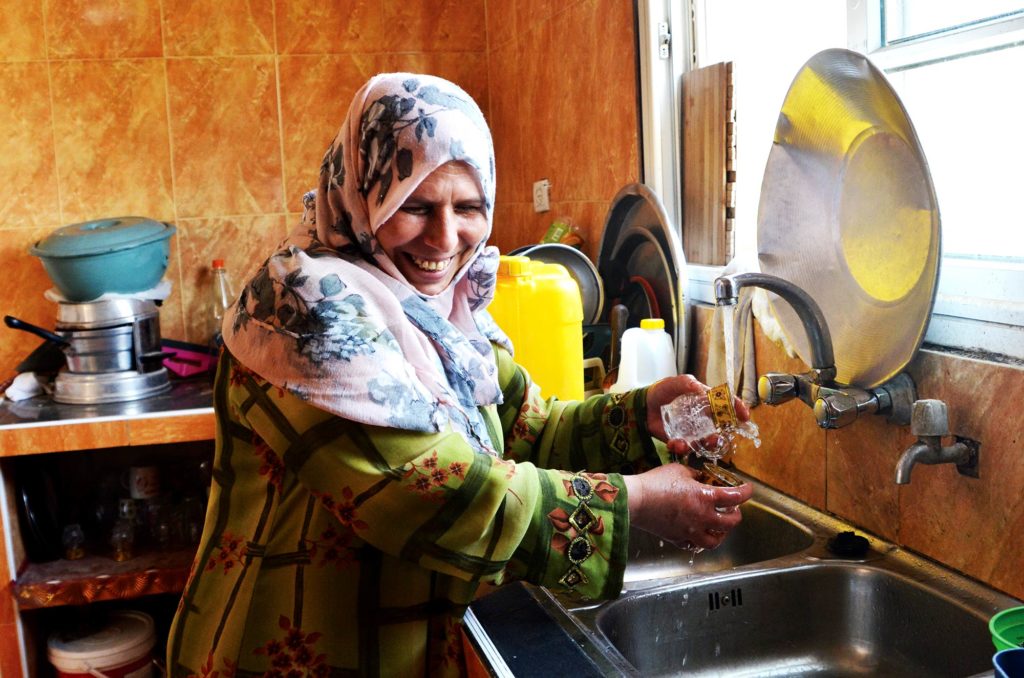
732 598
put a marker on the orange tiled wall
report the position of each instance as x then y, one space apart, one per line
974 525
214 116
563 93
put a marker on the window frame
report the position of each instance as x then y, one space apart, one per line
979 304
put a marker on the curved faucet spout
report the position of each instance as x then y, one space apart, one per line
930 450
727 290
915 454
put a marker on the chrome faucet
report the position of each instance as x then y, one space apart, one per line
823 364
930 423
834 405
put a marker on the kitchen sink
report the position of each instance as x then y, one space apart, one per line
836 619
774 599
763 534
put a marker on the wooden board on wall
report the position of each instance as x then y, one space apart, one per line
709 149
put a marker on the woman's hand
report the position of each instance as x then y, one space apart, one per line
665 391
668 501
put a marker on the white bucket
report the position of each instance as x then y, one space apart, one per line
646 355
121 649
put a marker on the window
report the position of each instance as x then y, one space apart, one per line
955 65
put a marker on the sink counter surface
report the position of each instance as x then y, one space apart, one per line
39 425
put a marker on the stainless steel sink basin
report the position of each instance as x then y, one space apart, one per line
763 534
825 618
773 599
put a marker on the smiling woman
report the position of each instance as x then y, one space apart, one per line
437 228
379 453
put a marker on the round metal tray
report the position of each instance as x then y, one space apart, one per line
639 239
848 213
579 267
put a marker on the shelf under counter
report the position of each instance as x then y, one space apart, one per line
39 425
97 578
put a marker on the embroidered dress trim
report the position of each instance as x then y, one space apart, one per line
583 520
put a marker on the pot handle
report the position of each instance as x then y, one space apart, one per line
15 323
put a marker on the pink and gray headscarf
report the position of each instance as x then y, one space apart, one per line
330 318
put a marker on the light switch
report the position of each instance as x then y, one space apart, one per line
540 195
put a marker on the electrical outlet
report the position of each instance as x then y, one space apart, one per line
540 195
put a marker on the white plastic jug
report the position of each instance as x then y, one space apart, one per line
647 355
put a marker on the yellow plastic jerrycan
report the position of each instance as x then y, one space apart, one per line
538 305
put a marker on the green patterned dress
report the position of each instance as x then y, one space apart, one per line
334 548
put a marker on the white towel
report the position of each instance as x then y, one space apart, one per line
158 292
24 386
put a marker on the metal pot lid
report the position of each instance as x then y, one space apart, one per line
579 267
848 213
639 240
101 236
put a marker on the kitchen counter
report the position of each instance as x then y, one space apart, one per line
38 425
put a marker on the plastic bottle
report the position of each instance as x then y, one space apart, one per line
223 297
538 305
647 355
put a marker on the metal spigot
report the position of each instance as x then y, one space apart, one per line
834 405
930 423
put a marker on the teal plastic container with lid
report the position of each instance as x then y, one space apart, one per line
122 255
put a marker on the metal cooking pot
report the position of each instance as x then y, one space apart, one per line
122 255
111 349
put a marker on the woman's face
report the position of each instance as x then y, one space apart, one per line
437 228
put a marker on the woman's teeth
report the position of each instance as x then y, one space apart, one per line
429 265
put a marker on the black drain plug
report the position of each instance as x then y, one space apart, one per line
848 545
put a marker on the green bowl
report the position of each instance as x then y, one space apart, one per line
1007 628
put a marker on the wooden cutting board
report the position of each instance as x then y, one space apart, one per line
709 153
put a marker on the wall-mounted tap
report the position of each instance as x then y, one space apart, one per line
930 423
834 405
823 363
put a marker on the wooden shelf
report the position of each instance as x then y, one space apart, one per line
95 578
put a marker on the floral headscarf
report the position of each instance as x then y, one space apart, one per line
330 318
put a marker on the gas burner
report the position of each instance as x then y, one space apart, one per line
111 348
113 351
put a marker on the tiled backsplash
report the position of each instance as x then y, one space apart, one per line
214 116
974 525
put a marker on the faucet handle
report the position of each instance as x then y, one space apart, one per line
929 418
836 410
776 388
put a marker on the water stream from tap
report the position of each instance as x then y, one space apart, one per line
729 341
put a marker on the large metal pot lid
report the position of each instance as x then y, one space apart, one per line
580 268
849 214
101 236
640 242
